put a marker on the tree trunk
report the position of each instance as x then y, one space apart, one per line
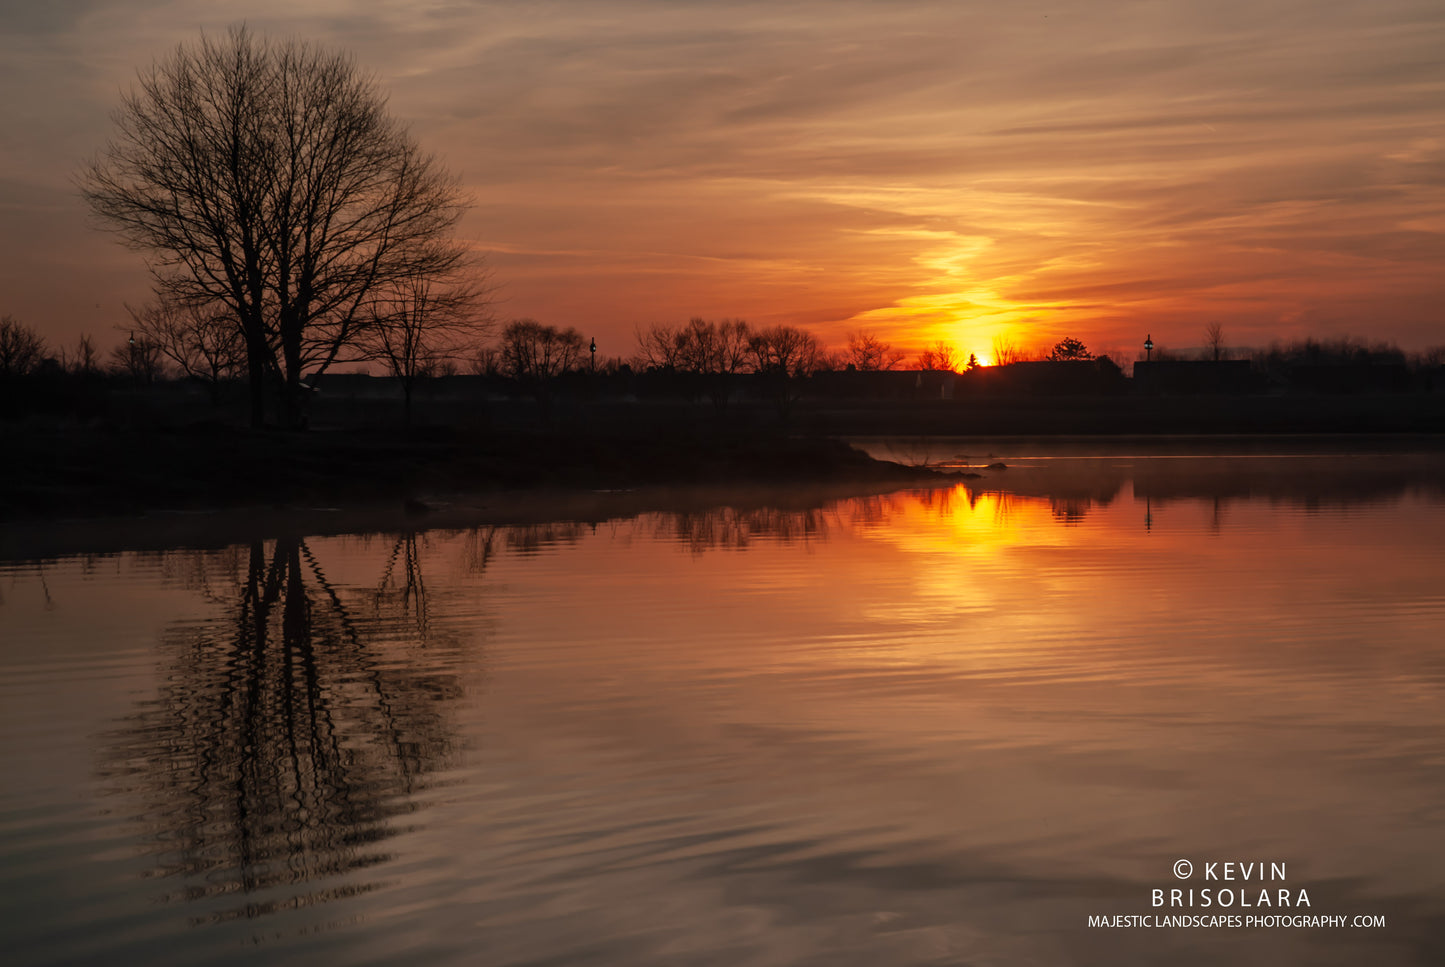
292 393
256 377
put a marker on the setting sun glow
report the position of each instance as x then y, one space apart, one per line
954 172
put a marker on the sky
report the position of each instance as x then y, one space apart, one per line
958 171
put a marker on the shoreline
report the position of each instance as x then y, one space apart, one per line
85 473
1073 474
79 476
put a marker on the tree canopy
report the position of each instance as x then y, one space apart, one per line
1068 349
267 177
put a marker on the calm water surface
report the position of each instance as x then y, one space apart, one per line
931 727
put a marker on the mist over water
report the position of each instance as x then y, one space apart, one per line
940 726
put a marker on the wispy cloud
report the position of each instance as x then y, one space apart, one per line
928 168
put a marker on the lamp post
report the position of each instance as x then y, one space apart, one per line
1148 347
593 348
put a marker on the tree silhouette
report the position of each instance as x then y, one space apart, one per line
1006 352
867 353
83 361
535 353
941 357
782 355
21 348
417 325
1214 340
139 360
204 342
712 353
1069 349
267 177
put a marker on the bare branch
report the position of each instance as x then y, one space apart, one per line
21 348
268 178
868 353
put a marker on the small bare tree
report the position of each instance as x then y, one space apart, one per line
534 353
787 350
139 360
713 348
941 357
83 360
268 177
868 353
204 342
1214 340
659 347
783 355
21 348
418 326
1006 352
711 352
485 361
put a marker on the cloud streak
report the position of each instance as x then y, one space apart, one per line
929 169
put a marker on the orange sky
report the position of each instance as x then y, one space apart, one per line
925 170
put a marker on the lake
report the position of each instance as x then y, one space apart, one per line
937 726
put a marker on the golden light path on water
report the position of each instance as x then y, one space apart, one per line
932 725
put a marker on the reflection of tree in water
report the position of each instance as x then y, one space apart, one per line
530 538
871 511
290 730
730 527
1070 511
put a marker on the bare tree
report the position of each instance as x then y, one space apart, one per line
21 348
1006 352
84 360
785 349
418 325
204 342
868 353
267 176
941 357
534 353
728 354
659 347
485 361
783 355
1214 340
139 360
699 346
715 348
712 352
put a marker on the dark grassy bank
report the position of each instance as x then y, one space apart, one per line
966 415
79 471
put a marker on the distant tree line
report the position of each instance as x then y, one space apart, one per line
427 333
